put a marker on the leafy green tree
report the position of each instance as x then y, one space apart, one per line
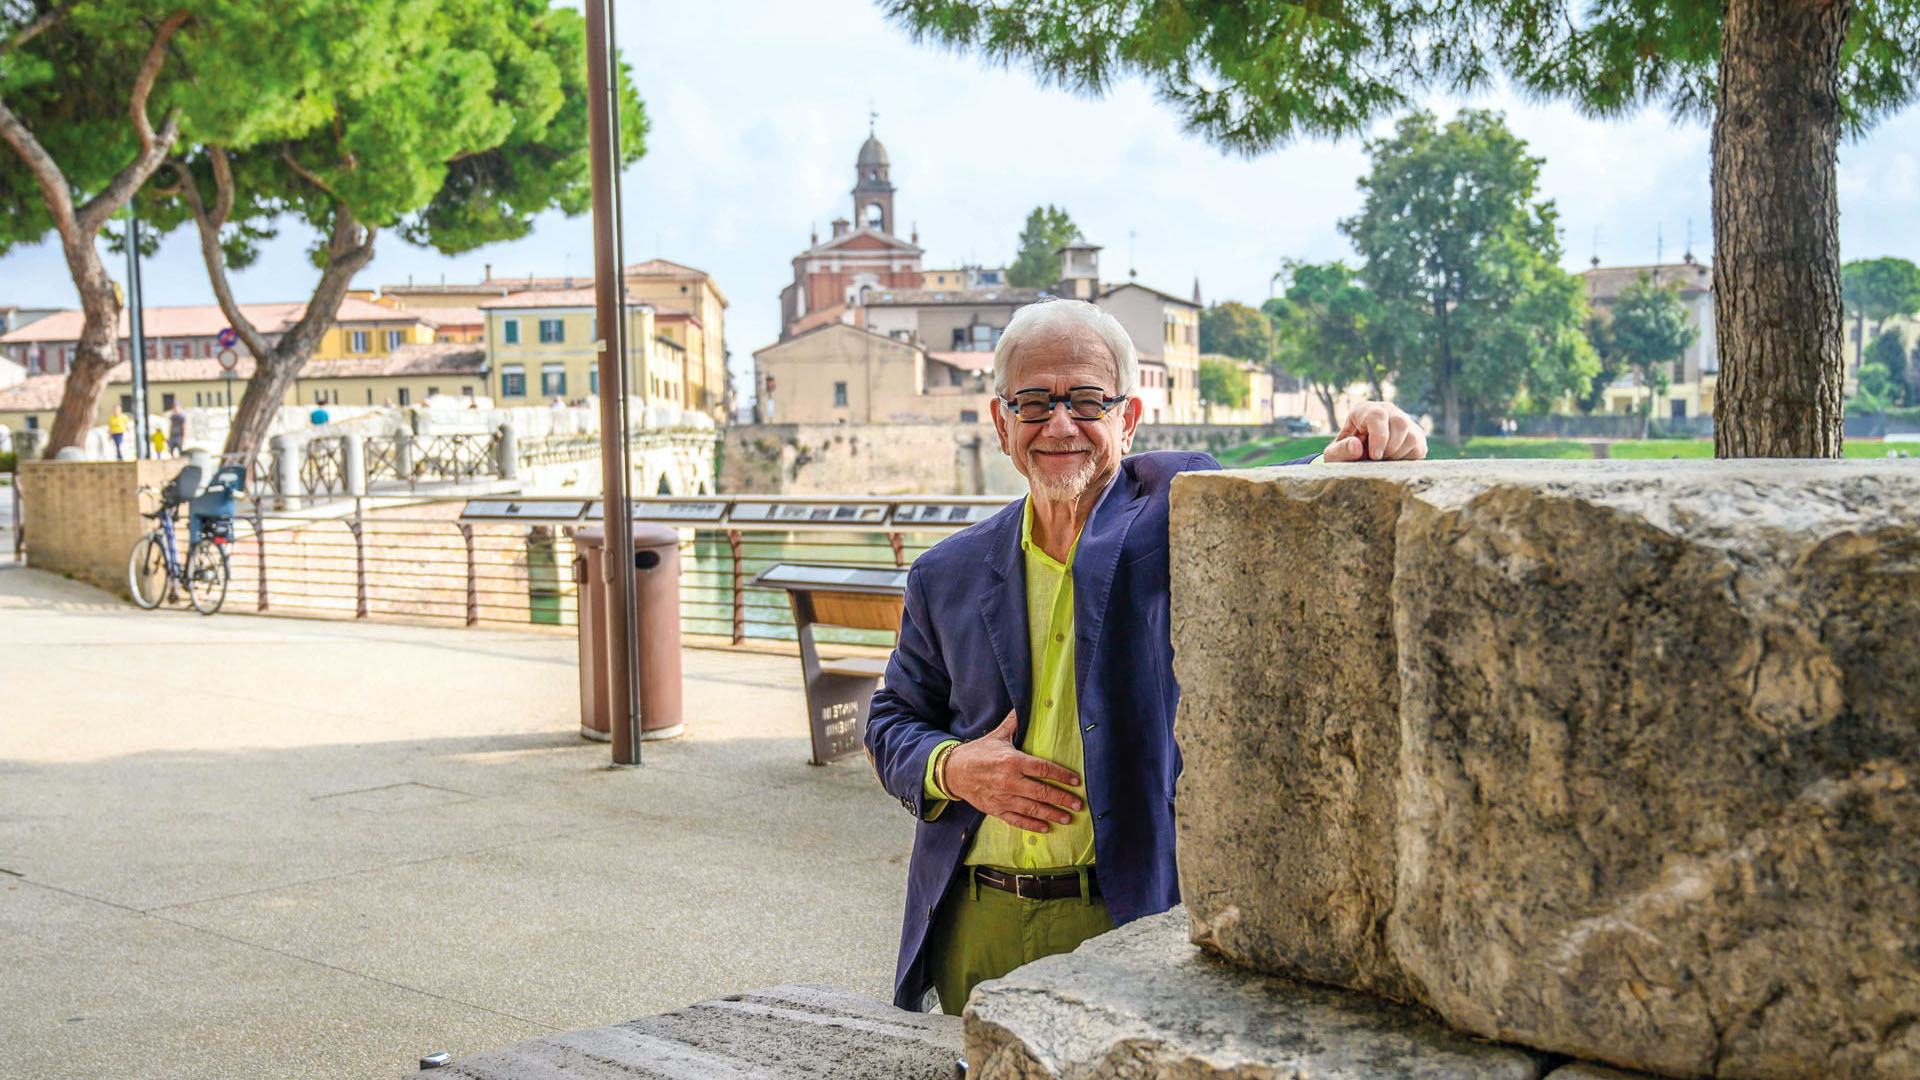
1650 332
474 123
78 90
1883 376
1878 289
1600 337
1331 332
1782 80
1037 263
1222 382
1236 330
1457 245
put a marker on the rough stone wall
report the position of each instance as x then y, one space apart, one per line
1616 760
865 459
83 517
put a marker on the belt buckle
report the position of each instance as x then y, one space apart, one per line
1020 886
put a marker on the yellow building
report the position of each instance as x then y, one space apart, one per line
541 346
689 310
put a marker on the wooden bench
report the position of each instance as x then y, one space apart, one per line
839 688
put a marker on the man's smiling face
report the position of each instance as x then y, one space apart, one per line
1063 457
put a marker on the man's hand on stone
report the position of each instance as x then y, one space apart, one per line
998 779
1377 431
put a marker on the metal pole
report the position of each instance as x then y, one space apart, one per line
473 583
604 161
136 328
739 589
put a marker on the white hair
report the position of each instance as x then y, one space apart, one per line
1065 315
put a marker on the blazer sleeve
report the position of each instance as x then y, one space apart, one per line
906 721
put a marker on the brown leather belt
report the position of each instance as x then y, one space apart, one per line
1037 886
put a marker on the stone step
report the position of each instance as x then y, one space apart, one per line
784 1033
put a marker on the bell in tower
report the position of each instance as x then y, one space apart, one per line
872 191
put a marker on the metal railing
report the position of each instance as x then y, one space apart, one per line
422 563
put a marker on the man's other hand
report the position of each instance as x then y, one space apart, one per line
994 776
1377 431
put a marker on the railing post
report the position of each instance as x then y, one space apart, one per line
899 543
19 518
473 583
359 569
260 549
739 590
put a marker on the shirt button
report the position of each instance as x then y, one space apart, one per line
1049 704
1059 637
1031 839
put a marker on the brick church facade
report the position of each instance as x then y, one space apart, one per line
862 255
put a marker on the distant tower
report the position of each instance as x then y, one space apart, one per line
872 191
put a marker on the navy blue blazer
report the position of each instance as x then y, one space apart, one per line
964 660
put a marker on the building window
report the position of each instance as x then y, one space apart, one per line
406 396
1679 406
166 402
513 380
359 341
552 330
553 380
969 416
369 395
126 403
394 339
510 331
177 350
433 391
593 381
840 394
467 390
33 423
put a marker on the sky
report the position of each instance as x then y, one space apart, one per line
758 107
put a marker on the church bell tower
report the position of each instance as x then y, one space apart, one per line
872 191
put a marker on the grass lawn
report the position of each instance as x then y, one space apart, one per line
1275 451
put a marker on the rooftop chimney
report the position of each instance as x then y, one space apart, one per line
840 226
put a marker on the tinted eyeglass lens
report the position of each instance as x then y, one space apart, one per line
1087 404
1032 406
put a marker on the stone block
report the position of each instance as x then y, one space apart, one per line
1613 759
797 1032
1143 1003
1594 1072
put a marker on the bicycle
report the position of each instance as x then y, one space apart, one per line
155 568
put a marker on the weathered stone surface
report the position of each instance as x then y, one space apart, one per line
786 1032
1594 1072
1614 759
1143 1003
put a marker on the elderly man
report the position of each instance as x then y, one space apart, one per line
1027 717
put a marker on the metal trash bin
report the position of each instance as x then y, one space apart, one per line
544 596
656 582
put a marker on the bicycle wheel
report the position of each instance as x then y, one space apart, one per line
147 572
207 576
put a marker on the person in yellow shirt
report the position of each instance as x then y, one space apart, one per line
1027 715
117 426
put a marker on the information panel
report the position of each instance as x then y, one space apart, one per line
809 513
942 515
523 510
668 512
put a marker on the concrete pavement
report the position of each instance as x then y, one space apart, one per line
238 845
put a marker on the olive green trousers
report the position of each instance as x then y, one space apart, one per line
981 933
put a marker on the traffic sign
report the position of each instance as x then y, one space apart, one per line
226 338
228 358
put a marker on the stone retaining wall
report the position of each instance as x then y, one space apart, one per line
1615 760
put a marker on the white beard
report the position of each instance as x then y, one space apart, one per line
1066 488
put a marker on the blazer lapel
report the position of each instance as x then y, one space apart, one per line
1004 607
1094 564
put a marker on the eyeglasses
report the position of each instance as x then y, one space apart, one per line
1084 403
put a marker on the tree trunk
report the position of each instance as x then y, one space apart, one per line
1325 390
98 351
1776 220
1443 371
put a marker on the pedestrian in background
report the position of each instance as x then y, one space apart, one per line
177 430
117 427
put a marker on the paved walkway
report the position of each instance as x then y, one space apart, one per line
239 846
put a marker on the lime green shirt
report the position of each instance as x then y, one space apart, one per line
1053 728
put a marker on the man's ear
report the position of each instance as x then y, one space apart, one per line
999 412
1130 414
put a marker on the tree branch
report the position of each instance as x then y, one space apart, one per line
209 225
32 30
154 146
53 183
286 153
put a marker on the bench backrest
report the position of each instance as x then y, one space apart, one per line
856 610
